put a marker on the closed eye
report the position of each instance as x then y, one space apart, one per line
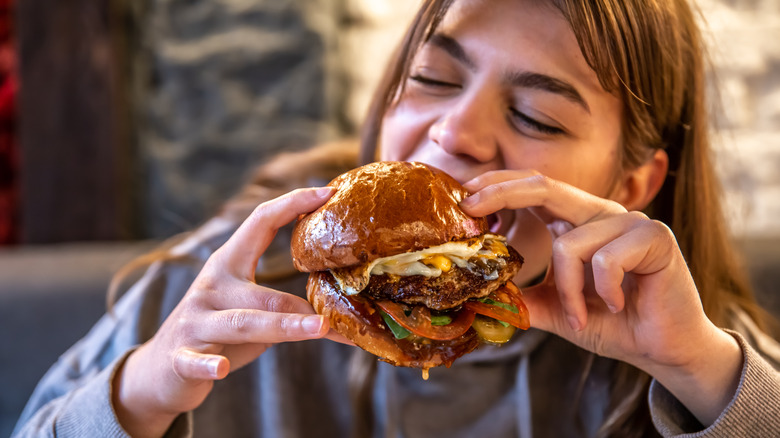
534 124
432 82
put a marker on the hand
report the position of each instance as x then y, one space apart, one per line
224 321
618 285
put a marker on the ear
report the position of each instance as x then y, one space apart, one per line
640 185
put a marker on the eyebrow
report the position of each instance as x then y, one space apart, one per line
524 79
453 48
550 84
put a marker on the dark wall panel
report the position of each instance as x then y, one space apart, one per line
70 155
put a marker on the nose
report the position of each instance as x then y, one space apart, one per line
465 129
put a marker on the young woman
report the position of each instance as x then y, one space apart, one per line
565 119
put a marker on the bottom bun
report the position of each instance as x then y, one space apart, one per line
357 319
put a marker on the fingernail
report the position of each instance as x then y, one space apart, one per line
574 323
312 324
471 200
213 367
471 183
324 192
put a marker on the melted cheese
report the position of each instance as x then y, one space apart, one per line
438 261
430 262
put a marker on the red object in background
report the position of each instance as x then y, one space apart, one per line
9 147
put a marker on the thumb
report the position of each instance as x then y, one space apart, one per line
191 365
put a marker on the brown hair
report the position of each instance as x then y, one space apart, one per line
282 173
650 54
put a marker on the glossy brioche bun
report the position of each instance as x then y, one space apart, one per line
357 319
382 209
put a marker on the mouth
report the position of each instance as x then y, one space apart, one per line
493 222
500 221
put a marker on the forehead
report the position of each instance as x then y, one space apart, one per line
522 35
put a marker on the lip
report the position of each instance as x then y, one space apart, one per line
493 222
462 171
500 221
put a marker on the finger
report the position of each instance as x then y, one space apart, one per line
590 244
557 228
238 294
190 365
246 326
560 200
248 243
647 249
643 250
570 281
497 176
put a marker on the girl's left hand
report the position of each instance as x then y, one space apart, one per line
618 286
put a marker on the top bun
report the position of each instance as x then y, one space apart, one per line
382 209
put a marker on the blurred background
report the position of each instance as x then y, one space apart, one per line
124 122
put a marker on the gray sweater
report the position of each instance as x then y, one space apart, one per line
523 389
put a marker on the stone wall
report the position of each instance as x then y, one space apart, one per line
744 41
220 85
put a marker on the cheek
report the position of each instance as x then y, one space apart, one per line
401 134
598 171
584 165
594 174
604 180
391 142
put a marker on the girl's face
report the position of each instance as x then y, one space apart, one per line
502 84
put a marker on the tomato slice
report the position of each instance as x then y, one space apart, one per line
510 290
516 297
418 321
508 294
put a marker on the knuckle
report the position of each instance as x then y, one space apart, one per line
274 302
662 227
237 321
288 325
259 212
186 326
203 291
498 190
638 215
559 246
563 245
664 233
603 259
183 323
205 285
612 207
265 210
542 181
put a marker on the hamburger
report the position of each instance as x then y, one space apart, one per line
399 269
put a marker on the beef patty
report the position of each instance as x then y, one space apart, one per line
448 290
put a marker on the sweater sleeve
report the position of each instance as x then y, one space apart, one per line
84 411
88 411
753 411
73 399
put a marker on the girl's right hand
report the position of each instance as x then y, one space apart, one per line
224 321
